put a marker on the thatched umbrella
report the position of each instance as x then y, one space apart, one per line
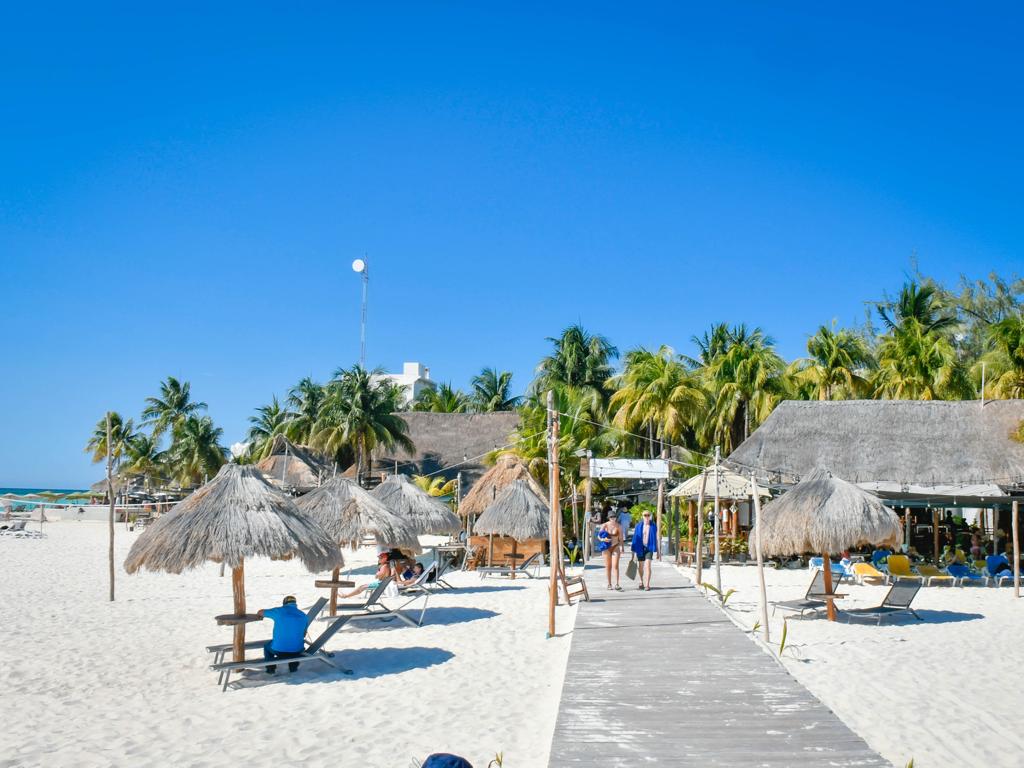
235 516
507 469
518 513
825 514
348 512
426 513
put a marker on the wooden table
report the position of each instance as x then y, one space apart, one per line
234 619
332 584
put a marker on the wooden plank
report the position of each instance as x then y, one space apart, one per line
664 678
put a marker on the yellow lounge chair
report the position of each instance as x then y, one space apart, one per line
930 574
899 568
862 571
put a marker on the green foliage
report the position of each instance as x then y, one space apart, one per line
723 597
492 391
835 367
269 421
785 634
636 512
580 361
442 399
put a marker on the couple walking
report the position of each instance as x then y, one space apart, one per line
610 541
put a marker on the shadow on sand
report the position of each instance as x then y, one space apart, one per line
927 617
363 663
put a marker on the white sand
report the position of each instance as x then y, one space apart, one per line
90 683
944 691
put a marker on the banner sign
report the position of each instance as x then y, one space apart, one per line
640 469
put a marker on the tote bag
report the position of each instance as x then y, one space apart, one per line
631 569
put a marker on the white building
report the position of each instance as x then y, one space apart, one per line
414 378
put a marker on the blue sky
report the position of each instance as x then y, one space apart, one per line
182 193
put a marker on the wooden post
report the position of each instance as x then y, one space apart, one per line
110 494
830 606
935 534
1014 515
335 576
238 590
700 525
587 510
661 507
718 552
906 527
691 507
760 557
553 499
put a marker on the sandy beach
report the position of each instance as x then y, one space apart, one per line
941 691
99 684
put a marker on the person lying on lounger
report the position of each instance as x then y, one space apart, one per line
409 575
384 570
289 633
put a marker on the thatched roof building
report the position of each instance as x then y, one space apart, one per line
427 514
295 467
348 512
517 512
507 469
899 449
823 513
235 516
444 440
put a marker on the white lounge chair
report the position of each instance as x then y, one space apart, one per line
533 561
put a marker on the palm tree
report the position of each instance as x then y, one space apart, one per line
580 360
122 432
442 399
360 414
144 458
917 364
919 304
435 486
269 421
196 454
1005 359
656 391
305 400
709 345
745 384
492 391
836 366
171 408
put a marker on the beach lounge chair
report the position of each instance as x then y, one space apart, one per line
314 652
931 574
816 563
220 650
992 563
879 556
811 600
447 564
373 608
899 568
865 571
901 594
507 570
961 573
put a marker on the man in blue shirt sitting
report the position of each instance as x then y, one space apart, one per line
289 638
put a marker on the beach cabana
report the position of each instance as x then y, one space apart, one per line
824 514
427 514
507 469
519 515
348 512
234 517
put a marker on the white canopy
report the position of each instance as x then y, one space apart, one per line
731 486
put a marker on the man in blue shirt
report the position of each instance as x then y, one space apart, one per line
289 638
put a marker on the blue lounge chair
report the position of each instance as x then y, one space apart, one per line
962 574
992 563
815 564
879 556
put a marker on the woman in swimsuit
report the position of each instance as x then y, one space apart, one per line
609 538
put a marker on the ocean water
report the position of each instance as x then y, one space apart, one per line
23 491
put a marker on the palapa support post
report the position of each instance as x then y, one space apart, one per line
700 527
238 591
335 575
691 507
756 501
1014 515
935 534
512 559
830 603
553 556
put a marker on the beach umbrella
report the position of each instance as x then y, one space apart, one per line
236 516
823 513
506 470
730 486
348 512
426 513
519 513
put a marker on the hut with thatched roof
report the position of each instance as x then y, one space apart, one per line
824 514
236 516
426 514
515 525
507 469
294 468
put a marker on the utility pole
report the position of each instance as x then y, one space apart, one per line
110 495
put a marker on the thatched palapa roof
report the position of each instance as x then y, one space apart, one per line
730 486
905 442
823 513
426 513
235 516
348 512
517 512
294 466
506 470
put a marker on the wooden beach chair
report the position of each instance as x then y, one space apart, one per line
901 594
314 652
864 571
931 574
814 599
522 569
220 650
899 568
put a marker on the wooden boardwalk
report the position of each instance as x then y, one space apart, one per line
664 678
